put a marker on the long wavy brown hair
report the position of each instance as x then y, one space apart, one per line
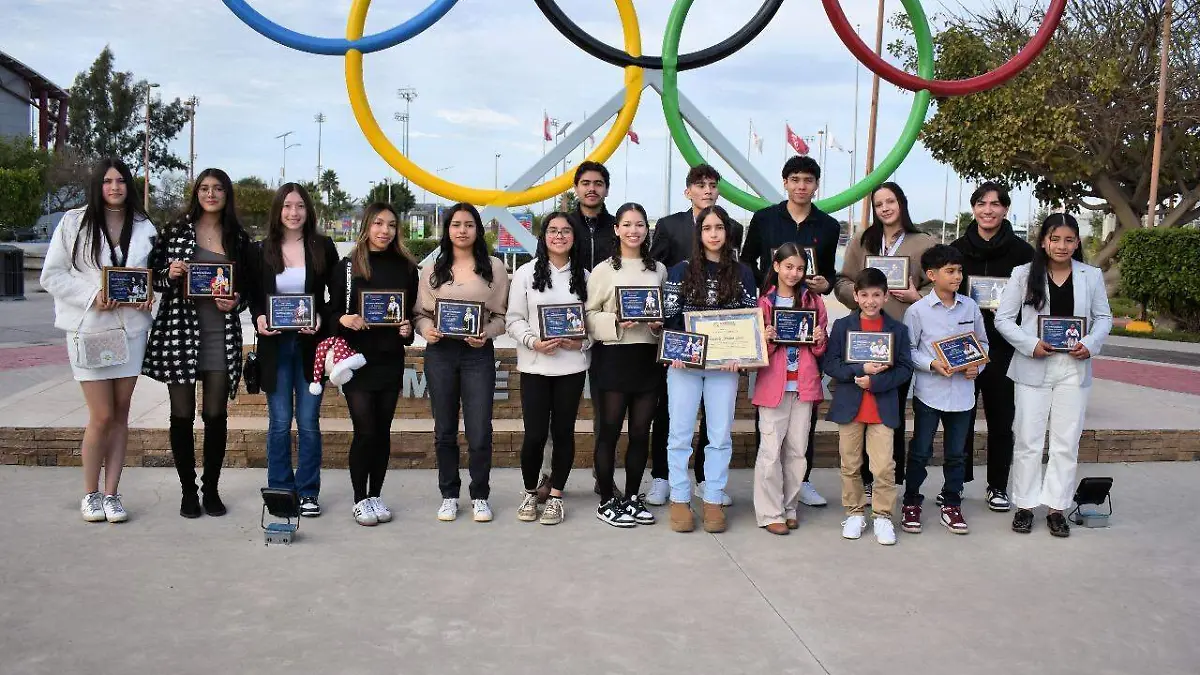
359 260
695 279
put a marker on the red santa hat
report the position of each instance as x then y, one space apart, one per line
338 359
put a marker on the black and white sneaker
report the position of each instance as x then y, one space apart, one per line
635 506
997 500
309 508
941 500
613 512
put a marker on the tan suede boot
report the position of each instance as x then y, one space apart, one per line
682 518
714 518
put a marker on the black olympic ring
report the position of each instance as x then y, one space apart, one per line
704 57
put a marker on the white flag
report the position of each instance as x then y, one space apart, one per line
835 145
756 140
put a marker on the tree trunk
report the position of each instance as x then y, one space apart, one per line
1127 219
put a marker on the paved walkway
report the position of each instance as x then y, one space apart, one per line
160 594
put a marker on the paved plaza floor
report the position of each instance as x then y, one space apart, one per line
161 594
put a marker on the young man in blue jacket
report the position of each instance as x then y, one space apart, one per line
865 404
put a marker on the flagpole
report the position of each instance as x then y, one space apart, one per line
626 167
872 125
749 142
667 181
854 151
946 204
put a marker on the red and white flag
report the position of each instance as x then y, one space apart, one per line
755 139
633 136
795 141
546 127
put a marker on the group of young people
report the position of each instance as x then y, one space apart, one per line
700 262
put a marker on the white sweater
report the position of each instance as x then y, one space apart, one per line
602 300
75 289
522 324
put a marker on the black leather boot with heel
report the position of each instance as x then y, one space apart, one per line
183 450
215 436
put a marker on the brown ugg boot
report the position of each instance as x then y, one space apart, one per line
714 518
682 518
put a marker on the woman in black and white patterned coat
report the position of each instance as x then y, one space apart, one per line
199 339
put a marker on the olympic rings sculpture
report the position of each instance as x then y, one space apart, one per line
631 59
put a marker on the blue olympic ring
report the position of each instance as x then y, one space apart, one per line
340 46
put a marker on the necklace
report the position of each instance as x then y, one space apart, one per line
118 210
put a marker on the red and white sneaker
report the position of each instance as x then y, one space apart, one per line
953 520
910 521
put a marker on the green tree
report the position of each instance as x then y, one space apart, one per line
1078 124
396 194
254 199
107 117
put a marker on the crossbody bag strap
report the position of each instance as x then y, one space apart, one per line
349 272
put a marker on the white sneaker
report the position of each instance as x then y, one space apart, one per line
92 507
364 512
113 511
382 512
660 492
483 512
885 531
527 512
853 526
809 495
448 510
726 500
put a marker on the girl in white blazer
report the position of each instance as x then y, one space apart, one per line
1051 386
111 231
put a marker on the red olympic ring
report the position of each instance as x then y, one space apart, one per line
942 88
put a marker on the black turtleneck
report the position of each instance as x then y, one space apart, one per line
995 257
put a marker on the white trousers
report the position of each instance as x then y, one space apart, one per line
779 468
1061 402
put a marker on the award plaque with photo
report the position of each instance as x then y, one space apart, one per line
986 291
870 347
959 352
1062 333
381 307
735 336
794 326
127 285
291 312
688 348
813 270
562 321
459 318
639 303
895 268
209 280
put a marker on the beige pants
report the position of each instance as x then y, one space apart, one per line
879 450
779 468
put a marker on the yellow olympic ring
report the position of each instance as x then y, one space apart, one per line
379 140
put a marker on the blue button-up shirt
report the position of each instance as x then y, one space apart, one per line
930 320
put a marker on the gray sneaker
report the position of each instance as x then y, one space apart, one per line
92 507
113 511
527 512
554 512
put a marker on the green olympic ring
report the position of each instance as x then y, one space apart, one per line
908 138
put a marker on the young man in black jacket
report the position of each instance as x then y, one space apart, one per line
674 237
990 248
593 225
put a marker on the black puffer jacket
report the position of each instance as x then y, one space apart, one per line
595 236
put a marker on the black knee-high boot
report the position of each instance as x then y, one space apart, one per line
216 430
183 449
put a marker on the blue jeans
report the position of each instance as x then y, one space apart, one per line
955 427
685 388
290 381
459 373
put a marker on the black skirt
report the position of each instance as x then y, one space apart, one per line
384 370
631 369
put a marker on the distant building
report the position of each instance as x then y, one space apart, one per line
25 104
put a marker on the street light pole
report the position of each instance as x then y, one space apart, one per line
496 177
409 94
319 118
146 156
191 104
283 169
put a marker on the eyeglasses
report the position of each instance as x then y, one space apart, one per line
555 232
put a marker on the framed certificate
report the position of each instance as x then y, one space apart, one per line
126 285
794 326
381 307
734 336
959 352
458 318
986 291
291 312
1062 333
677 345
209 280
895 268
561 321
869 347
811 252
639 303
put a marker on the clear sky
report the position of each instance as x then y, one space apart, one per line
483 75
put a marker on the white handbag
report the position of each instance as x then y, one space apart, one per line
100 349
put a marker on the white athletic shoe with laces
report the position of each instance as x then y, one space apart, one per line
483 512
364 512
726 500
853 526
660 492
92 507
527 511
885 531
382 512
448 511
809 495
113 511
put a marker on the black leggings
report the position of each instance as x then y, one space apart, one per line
613 405
183 416
371 413
549 406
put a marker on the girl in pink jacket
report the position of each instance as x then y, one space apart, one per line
786 390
